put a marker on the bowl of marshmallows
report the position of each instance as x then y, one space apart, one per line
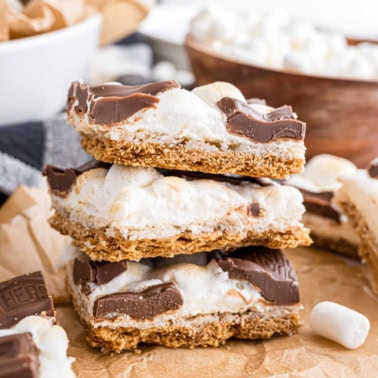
331 84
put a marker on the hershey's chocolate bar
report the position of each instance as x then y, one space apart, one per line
111 103
244 120
154 300
23 296
265 268
18 356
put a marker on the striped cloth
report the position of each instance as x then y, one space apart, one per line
26 148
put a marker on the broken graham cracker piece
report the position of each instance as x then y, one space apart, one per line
188 301
211 129
120 212
358 197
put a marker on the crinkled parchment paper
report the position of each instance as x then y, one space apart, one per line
322 277
28 243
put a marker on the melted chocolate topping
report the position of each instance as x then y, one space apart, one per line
244 120
154 300
321 204
265 268
23 296
61 181
110 104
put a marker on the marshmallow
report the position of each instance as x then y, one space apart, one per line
275 40
340 324
298 60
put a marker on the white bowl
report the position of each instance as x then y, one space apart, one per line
35 72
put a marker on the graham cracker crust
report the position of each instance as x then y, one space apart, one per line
249 325
170 156
100 246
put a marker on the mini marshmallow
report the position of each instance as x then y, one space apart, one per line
287 43
298 60
340 324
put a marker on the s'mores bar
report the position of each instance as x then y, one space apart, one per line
116 212
211 129
358 197
31 344
185 301
329 226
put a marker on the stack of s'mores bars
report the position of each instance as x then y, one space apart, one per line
177 226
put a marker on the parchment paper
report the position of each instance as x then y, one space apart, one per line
28 243
322 276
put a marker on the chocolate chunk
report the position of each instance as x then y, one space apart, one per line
61 181
111 103
99 272
255 209
234 180
143 305
23 296
18 356
244 120
373 168
321 204
265 268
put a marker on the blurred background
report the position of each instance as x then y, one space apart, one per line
320 57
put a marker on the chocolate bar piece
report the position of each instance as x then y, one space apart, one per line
99 272
112 103
321 204
62 180
189 300
18 356
23 296
243 120
211 129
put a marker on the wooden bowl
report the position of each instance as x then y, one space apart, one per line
341 114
